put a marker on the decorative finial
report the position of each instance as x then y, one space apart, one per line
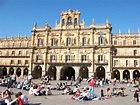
107 21
46 24
93 21
19 35
83 21
128 31
56 22
35 25
119 31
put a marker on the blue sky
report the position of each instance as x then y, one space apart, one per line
18 16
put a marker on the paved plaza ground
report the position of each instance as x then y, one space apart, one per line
58 99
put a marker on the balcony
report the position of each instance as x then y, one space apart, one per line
36 61
123 66
69 62
103 62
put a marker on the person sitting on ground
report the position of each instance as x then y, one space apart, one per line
108 93
83 96
102 96
67 91
6 96
121 92
18 100
76 95
24 98
48 91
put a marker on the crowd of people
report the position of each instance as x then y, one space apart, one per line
74 88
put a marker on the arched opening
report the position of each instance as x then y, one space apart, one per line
136 74
18 72
69 21
126 74
67 72
4 71
63 22
116 74
37 73
25 72
75 21
52 72
11 72
83 73
100 72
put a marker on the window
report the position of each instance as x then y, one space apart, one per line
69 21
53 42
52 58
115 62
115 42
26 62
0 53
100 57
134 42
19 62
75 21
7 53
12 61
68 41
28 44
83 41
38 57
13 53
83 58
115 52
126 62
124 42
40 41
27 53
67 58
8 45
13 44
20 53
135 62
63 22
100 40
135 52
20 45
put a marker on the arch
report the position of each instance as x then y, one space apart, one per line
136 74
126 74
116 74
52 72
4 71
11 71
63 22
83 72
67 72
25 72
37 72
75 21
18 72
69 21
100 72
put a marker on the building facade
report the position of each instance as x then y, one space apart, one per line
72 49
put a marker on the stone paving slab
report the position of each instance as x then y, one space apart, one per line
58 99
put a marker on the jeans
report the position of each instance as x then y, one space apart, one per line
91 92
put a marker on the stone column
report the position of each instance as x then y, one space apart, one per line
58 70
76 72
121 74
131 75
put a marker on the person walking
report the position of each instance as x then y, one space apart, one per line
91 82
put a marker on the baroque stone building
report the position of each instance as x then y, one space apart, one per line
72 49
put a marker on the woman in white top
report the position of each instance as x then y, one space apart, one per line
6 96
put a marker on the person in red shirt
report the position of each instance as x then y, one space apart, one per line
91 82
18 100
